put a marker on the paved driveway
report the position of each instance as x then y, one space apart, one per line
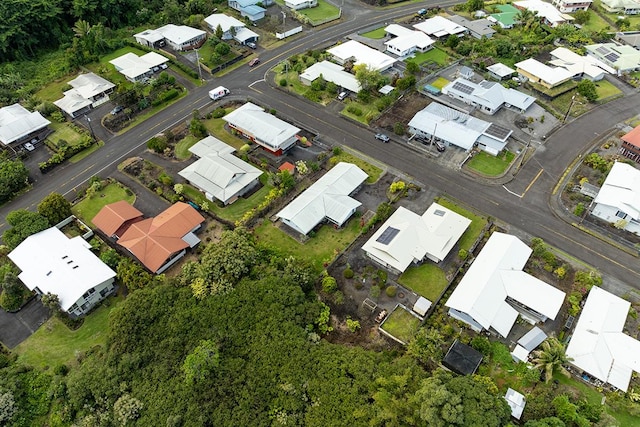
17 327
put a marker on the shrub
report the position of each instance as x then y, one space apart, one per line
353 325
354 109
579 210
391 291
283 82
463 254
219 113
165 179
348 273
157 144
382 277
329 285
397 186
337 151
481 344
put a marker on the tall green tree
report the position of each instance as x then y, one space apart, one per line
587 88
55 208
13 177
551 357
200 364
23 224
368 78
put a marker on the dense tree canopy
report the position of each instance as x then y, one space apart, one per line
23 224
13 176
55 208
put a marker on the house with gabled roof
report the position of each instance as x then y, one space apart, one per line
542 74
218 173
115 218
408 238
488 96
499 71
159 242
618 201
507 17
18 126
478 28
452 127
300 4
585 66
332 73
250 9
87 91
266 130
570 6
627 7
495 290
328 199
135 68
50 262
438 26
631 144
598 345
550 14
359 53
622 58
231 28
179 37
404 42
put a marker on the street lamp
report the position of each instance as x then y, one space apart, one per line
90 127
198 61
569 109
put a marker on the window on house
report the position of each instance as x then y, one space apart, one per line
621 214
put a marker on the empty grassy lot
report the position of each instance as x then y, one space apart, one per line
436 55
182 147
427 280
376 34
489 165
89 207
440 82
401 324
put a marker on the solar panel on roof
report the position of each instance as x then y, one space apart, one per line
497 131
612 57
462 88
602 50
387 235
439 212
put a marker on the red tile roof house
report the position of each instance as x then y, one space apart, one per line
114 219
631 145
157 242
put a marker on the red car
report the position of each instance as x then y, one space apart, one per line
254 62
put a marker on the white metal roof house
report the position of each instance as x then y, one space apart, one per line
478 28
542 74
439 26
630 38
329 198
599 346
622 58
407 237
88 90
218 173
618 201
332 73
628 7
231 28
453 127
586 67
266 130
361 54
529 342
570 6
516 402
404 41
134 67
178 37
499 71
300 4
18 125
249 8
495 290
50 262
549 14
488 96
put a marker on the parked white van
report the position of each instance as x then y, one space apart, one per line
218 93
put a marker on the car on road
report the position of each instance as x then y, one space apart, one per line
252 45
382 137
117 109
254 62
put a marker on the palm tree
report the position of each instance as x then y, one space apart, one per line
527 18
551 357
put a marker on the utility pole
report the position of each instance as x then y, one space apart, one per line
198 61
569 109
90 127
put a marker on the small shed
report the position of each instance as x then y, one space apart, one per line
529 342
465 72
462 359
386 89
516 402
499 71
287 166
422 306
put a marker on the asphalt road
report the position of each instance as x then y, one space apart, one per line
530 213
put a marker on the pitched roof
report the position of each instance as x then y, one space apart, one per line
488 94
266 127
516 402
507 16
114 216
287 166
132 65
545 10
439 26
598 345
180 34
578 64
482 27
620 57
407 237
633 137
332 73
154 240
500 69
89 85
497 274
327 198
621 189
218 171
53 263
550 75
362 54
225 22
17 122
406 38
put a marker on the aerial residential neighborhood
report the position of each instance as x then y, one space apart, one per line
320 213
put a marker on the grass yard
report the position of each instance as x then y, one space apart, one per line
427 280
149 112
606 90
478 223
489 165
322 248
182 147
88 208
596 23
562 103
367 112
322 12
376 34
108 71
558 91
401 324
55 344
436 55
216 128
374 172
440 82
53 91
62 131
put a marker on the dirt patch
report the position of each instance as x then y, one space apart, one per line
402 111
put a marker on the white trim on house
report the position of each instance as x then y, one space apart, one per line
570 6
16 123
361 54
50 262
135 67
89 90
628 7
328 198
622 58
499 71
578 65
407 237
439 26
332 73
300 4
229 25
540 73
549 13
488 96
618 200
405 41
494 279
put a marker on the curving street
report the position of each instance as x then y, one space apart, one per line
530 213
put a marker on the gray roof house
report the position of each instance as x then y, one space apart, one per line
250 9
218 173
454 127
329 198
478 28
488 96
88 90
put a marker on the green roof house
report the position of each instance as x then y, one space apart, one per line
507 17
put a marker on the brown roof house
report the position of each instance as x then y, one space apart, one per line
115 218
631 144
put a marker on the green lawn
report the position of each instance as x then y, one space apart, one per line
440 82
320 13
401 324
54 344
368 111
376 34
88 208
374 172
182 147
427 280
62 131
108 71
475 228
563 102
606 90
436 55
489 165
322 248
216 128
596 23
53 91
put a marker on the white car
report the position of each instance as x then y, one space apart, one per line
29 146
